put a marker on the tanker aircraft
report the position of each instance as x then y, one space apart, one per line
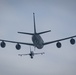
37 40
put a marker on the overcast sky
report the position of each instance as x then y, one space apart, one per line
59 16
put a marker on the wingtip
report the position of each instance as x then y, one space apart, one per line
18 32
19 55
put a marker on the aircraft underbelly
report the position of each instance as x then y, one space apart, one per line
38 41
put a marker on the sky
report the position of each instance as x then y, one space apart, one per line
59 16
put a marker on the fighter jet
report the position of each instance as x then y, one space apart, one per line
31 54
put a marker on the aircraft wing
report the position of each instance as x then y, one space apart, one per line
39 53
17 42
58 40
22 54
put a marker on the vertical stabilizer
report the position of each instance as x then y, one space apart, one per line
30 48
34 23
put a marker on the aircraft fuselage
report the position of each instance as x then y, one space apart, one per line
31 54
38 41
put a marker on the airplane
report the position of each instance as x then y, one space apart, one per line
37 40
31 54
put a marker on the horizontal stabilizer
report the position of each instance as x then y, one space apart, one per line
22 54
26 33
44 32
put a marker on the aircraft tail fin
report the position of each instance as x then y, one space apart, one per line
34 23
34 29
30 49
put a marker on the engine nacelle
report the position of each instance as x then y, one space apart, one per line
58 44
3 44
18 46
72 41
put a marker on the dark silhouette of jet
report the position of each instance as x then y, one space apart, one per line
31 54
37 39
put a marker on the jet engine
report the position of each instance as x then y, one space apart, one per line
72 41
18 46
3 44
58 44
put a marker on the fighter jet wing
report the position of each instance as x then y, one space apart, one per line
39 53
58 40
22 54
18 42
